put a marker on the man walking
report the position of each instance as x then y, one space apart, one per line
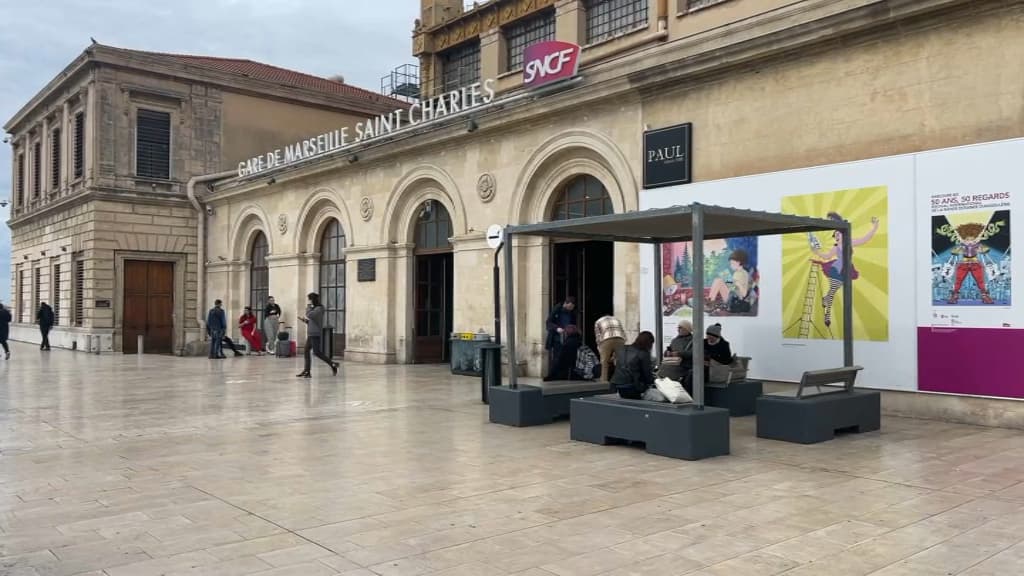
44 317
271 324
610 340
216 325
5 327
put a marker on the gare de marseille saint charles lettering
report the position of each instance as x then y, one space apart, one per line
546 62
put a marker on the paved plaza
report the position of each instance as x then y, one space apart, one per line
129 466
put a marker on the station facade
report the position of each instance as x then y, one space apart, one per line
392 227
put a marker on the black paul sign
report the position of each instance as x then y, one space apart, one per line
667 158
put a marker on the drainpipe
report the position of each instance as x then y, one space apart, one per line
201 212
662 15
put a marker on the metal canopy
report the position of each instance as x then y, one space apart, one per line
696 223
675 224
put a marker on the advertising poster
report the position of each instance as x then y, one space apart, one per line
970 252
731 278
813 269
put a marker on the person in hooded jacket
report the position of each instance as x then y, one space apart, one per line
45 319
5 330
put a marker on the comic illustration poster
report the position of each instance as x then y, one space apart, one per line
970 251
731 278
813 269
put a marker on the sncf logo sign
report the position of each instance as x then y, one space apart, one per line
548 62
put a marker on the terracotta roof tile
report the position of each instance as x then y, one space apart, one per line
276 74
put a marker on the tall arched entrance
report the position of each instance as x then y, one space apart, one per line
434 283
583 270
332 281
259 275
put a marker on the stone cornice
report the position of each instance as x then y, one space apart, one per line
72 201
797 28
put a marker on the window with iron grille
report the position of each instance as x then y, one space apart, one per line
19 185
153 144
37 169
22 293
79 145
697 4
55 294
37 292
332 281
55 151
259 275
518 36
78 297
610 18
460 66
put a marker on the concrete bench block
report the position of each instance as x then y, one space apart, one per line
673 430
537 405
814 419
739 398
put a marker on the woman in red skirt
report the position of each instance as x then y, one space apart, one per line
248 325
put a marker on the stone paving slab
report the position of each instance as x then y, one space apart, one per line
157 465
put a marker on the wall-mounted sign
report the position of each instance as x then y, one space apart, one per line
547 62
366 270
667 156
418 113
103 303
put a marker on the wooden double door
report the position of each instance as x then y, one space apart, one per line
148 307
433 307
585 271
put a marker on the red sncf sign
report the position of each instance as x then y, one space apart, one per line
548 62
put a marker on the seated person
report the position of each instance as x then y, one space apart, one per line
715 348
564 367
634 373
680 349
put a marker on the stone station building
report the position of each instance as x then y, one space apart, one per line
101 227
768 85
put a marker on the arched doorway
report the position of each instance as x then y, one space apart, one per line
583 270
259 275
332 281
434 283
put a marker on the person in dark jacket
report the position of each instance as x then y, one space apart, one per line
5 330
216 326
314 341
715 348
564 366
45 318
561 317
271 324
635 373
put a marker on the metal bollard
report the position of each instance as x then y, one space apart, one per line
139 341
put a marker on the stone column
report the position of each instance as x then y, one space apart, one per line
378 313
474 291
492 54
570 21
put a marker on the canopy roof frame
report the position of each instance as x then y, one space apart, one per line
691 223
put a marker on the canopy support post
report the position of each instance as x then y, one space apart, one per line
697 305
510 315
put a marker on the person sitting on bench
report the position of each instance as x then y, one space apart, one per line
679 354
564 367
634 374
715 348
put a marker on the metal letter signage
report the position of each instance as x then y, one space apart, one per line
548 62
667 156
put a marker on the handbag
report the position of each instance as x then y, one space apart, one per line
672 391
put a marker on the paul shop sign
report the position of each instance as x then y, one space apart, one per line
667 156
547 62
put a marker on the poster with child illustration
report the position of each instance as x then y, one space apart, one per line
731 278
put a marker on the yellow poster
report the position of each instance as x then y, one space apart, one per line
813 268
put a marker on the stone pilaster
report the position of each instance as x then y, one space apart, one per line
570 21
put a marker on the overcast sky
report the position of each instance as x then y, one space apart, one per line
360 39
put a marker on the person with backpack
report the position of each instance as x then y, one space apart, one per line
216 327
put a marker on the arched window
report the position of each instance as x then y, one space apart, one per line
259 275
581 196
433 227
332 280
